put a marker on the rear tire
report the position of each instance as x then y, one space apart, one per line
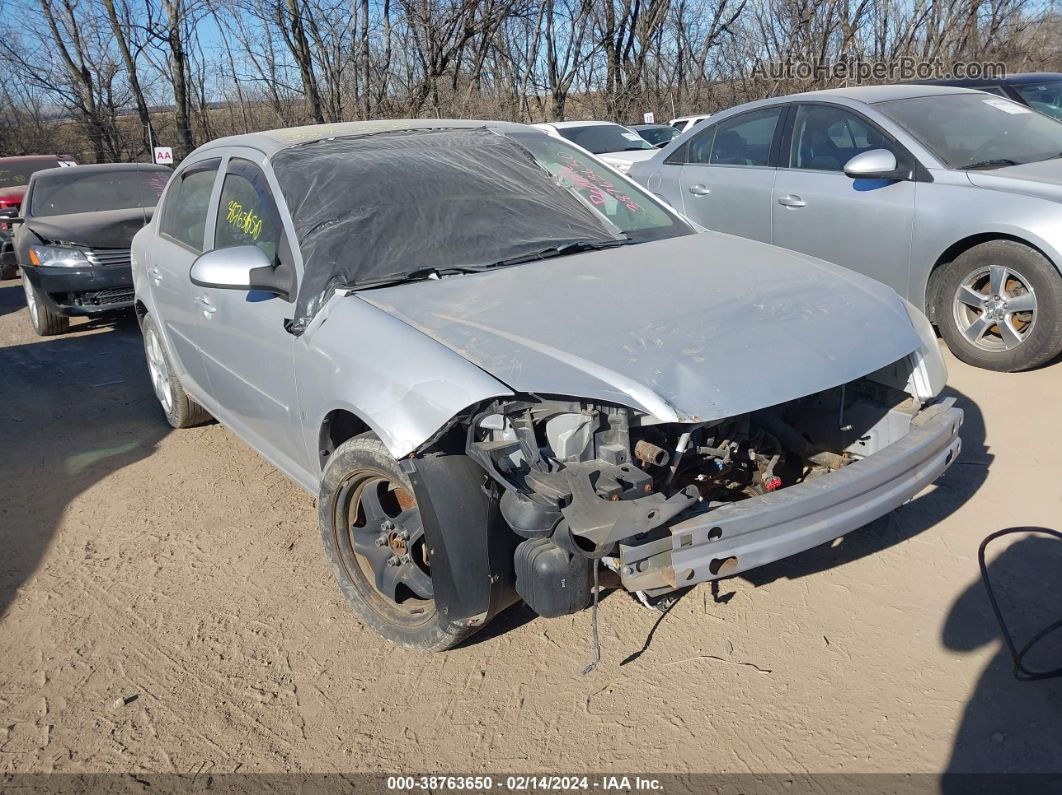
181 411
8 272
999 306
44 321
366 503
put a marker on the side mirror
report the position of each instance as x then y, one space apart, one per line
240 268
875 164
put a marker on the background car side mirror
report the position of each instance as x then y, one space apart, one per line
240 268
875 164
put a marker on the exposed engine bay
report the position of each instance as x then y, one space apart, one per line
582 481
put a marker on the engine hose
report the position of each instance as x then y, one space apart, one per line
1021 673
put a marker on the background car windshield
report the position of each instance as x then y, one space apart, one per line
968 129
69 192
618 202
1045 97
658 135
14 174
600 138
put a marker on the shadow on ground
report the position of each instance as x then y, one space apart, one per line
73 409
12 298
1011 726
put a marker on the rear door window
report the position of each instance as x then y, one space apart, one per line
744 140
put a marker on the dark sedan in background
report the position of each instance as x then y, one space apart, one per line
72 241
657 134
1041 91
15 173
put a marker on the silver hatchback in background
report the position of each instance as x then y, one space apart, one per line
952 197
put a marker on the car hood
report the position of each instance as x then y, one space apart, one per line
693 328
104 229
1042 179
630 156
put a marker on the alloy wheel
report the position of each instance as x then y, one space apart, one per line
31 302
383 535
159 370
995 308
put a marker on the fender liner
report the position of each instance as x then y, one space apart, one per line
470 545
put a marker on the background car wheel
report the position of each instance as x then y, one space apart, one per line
45 322
8 272
999 306
374 541
180 410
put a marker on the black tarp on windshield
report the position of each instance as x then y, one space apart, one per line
386 204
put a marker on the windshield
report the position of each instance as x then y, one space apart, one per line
658 135
403 205
620 204
68 192
976 130
14 174
602 138
1045 97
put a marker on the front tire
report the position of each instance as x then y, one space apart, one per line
374 542
44 321
999 306
181 411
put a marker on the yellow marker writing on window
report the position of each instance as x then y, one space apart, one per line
245 220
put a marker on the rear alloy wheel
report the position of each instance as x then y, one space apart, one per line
999 306
181 411
45 322
374 539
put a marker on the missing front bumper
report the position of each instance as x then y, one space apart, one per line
744 535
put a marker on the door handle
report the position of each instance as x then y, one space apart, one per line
791 200
699 190
205 306
155 274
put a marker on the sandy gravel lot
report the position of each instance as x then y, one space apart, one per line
164 606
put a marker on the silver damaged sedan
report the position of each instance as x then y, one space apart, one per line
506 371
952 197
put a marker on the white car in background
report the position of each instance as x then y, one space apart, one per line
618 146
683 123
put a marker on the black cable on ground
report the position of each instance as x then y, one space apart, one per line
593 624
1020 671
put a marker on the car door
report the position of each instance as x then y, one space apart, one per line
861 224
726 177
179 239
247 350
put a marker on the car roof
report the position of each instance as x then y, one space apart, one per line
97 168
565 125
31 158
872 94
1023 77
650 127
269 142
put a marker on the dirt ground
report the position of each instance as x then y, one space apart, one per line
166 607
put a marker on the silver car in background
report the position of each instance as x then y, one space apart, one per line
952 197
500 366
